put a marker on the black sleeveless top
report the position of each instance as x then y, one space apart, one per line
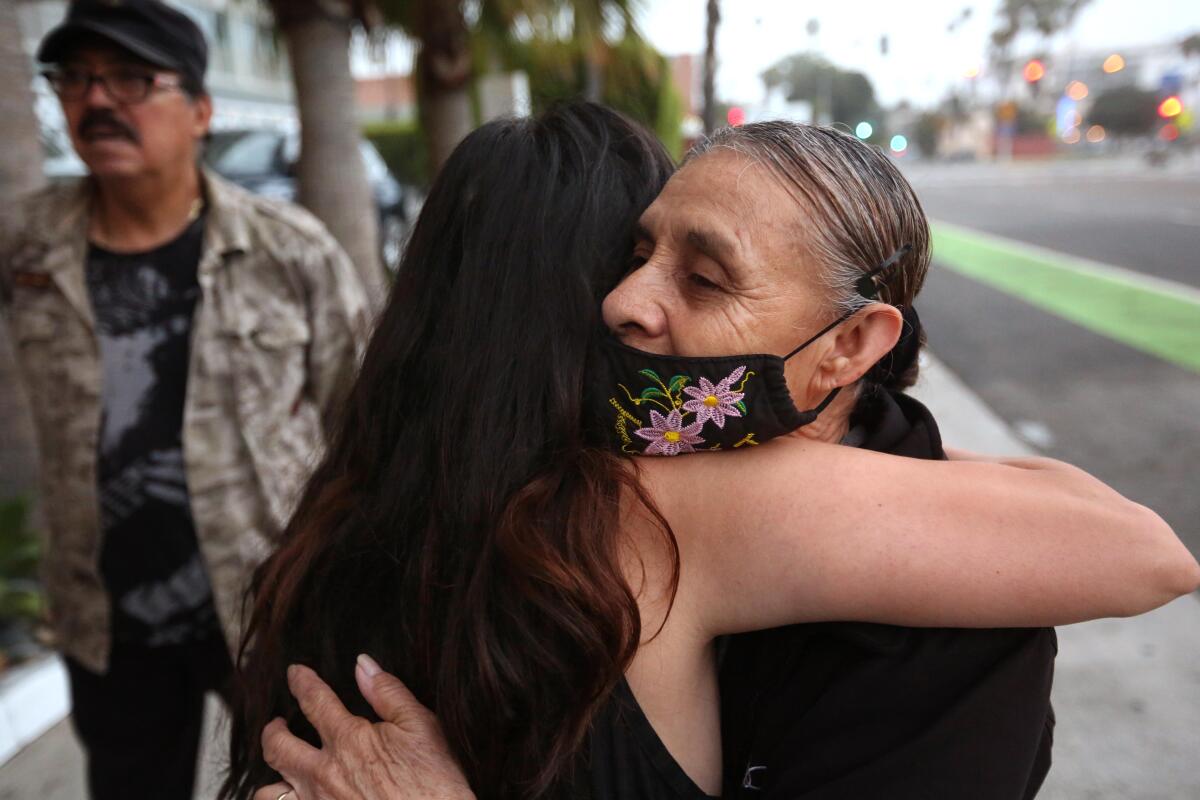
625 759
854 711
859 711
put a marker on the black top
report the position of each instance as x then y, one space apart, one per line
150 560
625 759
861 711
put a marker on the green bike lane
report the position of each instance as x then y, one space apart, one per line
1098 364
1157 316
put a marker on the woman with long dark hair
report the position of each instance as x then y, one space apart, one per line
472 528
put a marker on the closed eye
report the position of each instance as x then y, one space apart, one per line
700 282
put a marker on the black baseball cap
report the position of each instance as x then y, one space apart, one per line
150 29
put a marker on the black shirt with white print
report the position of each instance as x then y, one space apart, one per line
150 559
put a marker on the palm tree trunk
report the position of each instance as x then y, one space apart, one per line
443 75
589 39
21 155
710 66
593 87
332 176
20 172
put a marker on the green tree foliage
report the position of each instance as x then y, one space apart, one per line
810 77
668 122
1191 45
1125 110
402 147
639 84
591 28
636 79
1030 120
1046 17
568 48
928 129
20 595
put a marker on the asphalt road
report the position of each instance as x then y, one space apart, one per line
1126 416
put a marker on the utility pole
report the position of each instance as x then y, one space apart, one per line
710 66
20 173
823 102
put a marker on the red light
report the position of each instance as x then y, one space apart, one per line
736 116
1034 71
1169 132
1171 107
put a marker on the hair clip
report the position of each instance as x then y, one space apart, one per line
866 285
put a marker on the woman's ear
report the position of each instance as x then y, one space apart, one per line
862 340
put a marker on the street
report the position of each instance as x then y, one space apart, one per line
1124 414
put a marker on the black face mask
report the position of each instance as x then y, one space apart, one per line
666 405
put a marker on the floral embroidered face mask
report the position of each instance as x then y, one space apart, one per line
655 404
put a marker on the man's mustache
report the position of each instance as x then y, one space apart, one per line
103 122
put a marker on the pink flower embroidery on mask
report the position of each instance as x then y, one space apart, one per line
669 436
715 402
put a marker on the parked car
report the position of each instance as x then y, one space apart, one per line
264 162
59 162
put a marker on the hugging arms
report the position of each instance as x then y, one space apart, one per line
518 574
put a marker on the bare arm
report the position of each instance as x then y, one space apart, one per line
800 531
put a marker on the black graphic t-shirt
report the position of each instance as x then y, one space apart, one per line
150 560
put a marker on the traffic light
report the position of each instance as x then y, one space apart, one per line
1170 108
1033 73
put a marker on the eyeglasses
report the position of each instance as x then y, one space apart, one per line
124 86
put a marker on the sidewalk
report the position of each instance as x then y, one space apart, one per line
1127 692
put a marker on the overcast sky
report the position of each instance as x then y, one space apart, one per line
924 58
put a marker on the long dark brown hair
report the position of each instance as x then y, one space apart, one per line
461 527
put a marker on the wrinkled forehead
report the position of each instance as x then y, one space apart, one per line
736 196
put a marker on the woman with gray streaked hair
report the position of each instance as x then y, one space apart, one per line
861 199
876 710
735 257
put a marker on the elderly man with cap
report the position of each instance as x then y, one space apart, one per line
182 344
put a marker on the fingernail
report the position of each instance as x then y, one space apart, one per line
368 665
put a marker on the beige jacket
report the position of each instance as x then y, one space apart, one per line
276 338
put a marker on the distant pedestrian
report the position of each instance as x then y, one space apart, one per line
181 342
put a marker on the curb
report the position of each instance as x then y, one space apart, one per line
963 418
1126 691
33 698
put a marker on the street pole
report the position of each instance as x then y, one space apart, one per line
823 98
710 66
